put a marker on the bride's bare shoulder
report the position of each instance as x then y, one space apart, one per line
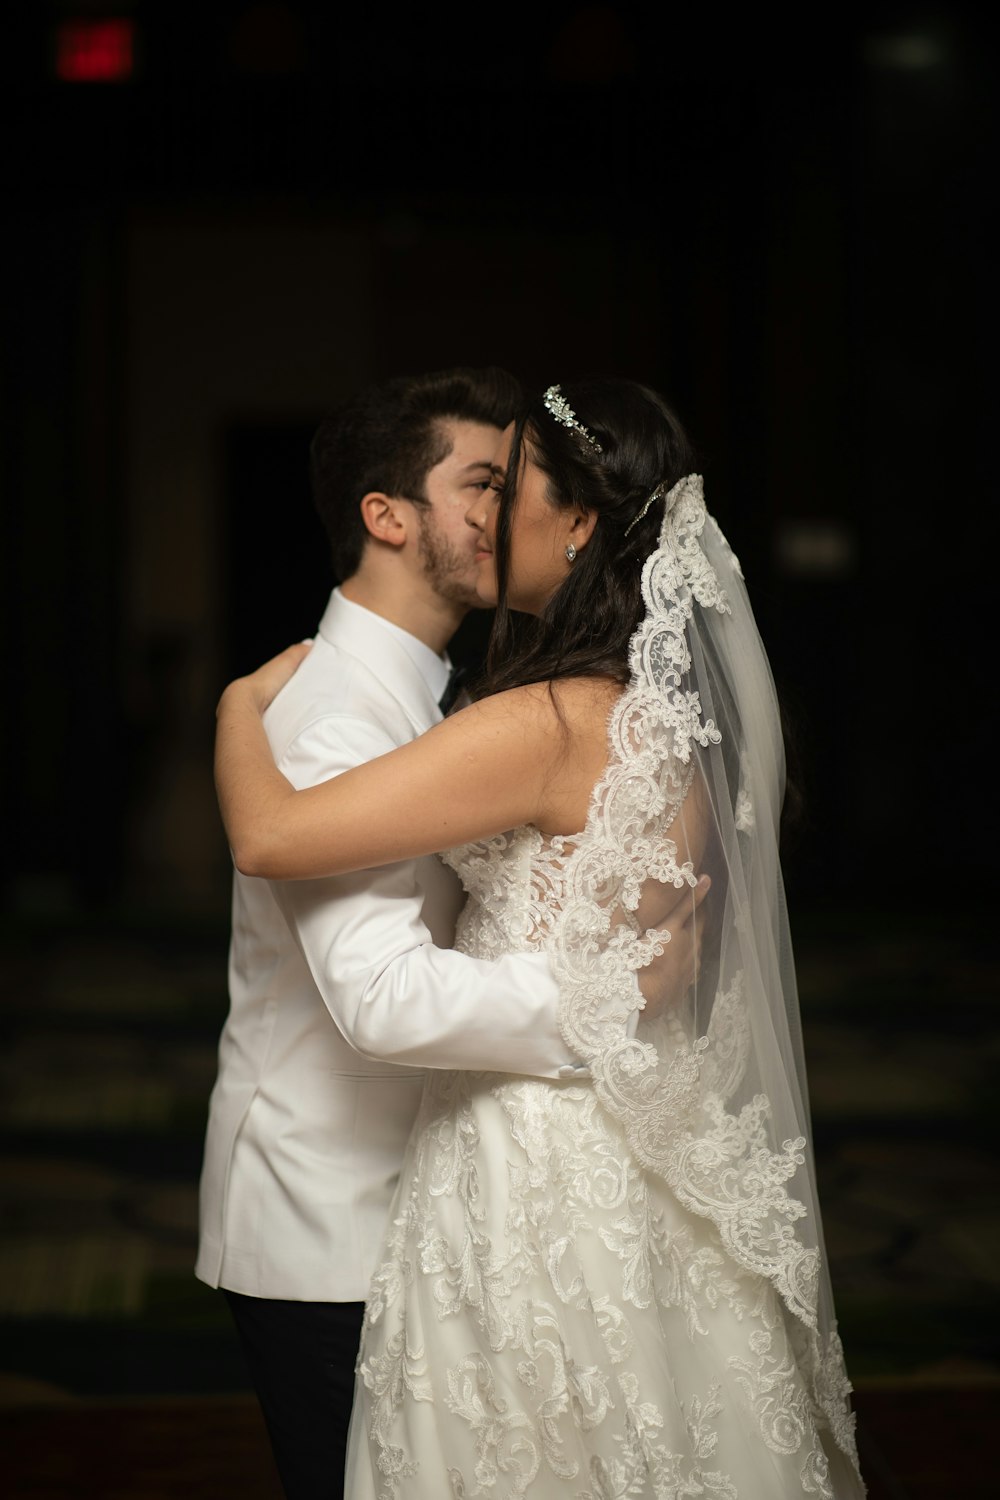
583 698
572 708
549 739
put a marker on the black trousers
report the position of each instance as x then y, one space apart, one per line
301 1357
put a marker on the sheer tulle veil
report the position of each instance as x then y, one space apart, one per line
712 1096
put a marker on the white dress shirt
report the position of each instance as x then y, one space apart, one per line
339 996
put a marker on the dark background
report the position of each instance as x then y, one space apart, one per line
776 218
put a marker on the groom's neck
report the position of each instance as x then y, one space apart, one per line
404 602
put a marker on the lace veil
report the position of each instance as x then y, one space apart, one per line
712 1095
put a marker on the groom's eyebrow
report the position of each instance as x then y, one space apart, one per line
498 471
477 463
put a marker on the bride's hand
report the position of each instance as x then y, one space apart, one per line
264 685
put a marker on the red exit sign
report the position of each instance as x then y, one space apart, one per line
95 51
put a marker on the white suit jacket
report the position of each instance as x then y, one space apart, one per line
338 999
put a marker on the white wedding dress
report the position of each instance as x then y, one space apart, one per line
601 1289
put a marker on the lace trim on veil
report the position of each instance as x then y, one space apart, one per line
718 1162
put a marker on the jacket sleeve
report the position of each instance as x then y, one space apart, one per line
367 940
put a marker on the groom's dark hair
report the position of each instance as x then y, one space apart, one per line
389 437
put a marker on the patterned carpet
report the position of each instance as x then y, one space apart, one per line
109 1040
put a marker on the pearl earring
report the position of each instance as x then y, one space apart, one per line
570 553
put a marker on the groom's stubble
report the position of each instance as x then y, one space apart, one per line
448 569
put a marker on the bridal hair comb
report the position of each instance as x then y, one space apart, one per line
657 494
560 408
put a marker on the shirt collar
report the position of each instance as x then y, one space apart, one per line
435 670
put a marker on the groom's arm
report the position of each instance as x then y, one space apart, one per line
391 992
396 996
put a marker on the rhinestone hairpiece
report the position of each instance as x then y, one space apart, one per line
560 408
657 494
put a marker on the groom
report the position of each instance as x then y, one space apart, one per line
338 996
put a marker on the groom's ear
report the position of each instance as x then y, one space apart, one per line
385 518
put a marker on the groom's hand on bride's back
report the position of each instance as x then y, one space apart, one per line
666 980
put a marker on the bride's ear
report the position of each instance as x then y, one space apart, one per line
582 529
384 518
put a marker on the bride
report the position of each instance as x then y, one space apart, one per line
610 1287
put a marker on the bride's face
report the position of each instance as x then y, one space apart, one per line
539 536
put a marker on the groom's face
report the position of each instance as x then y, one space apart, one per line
446 543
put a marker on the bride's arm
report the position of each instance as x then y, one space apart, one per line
478 773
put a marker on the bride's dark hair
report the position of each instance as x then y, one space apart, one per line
589 621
